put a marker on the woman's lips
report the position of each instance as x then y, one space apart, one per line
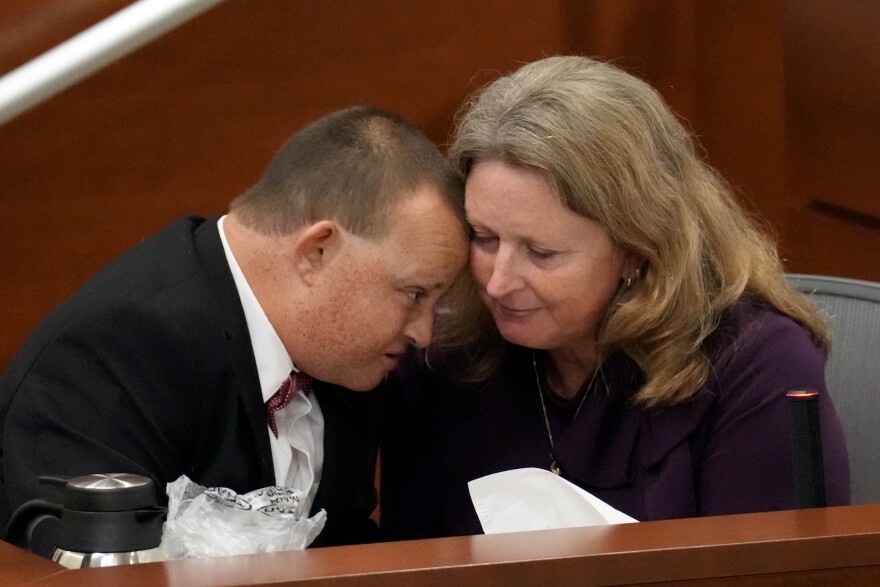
513 312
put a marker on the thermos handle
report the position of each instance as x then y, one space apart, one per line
27 517
24 520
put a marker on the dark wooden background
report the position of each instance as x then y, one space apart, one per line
782 93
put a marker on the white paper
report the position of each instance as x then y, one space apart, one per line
536 499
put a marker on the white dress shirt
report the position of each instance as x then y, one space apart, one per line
298 452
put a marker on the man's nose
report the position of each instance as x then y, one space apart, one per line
419 329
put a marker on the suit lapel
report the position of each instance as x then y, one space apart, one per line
337 416
210 250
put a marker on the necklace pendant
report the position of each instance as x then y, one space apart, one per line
554 468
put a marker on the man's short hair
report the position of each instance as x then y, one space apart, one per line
352 166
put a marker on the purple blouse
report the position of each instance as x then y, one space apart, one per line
727 450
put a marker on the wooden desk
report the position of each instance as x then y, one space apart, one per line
833 546
18 566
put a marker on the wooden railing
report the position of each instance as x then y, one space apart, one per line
828 546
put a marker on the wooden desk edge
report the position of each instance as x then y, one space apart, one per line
18 566
748 545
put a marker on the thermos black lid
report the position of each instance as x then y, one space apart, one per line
109 492
105 513
110 512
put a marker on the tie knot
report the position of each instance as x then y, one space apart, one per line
294 383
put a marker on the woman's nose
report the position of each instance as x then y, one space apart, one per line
503 278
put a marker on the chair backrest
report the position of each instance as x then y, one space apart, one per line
853 370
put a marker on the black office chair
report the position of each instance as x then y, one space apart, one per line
852 308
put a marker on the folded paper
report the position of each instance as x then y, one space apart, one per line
536 499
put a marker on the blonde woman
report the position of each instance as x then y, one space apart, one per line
626 325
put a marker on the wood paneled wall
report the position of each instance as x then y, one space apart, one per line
833 113
186 123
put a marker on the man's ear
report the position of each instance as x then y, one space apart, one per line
314 247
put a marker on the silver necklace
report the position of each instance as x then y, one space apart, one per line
554 466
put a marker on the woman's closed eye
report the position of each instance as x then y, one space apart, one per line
541 254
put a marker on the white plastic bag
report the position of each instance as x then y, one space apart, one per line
217 521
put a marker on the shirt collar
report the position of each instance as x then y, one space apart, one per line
273 362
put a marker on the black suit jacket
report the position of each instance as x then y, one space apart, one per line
148 368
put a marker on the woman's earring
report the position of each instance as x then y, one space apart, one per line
634 277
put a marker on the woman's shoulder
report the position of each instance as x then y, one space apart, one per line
756 324
755 340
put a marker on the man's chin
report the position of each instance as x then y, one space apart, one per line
362 383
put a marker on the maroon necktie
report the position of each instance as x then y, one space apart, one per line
296 382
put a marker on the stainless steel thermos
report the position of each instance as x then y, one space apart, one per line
100 520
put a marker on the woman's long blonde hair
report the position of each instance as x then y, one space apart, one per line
615 153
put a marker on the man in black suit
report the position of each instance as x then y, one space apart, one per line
162 363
